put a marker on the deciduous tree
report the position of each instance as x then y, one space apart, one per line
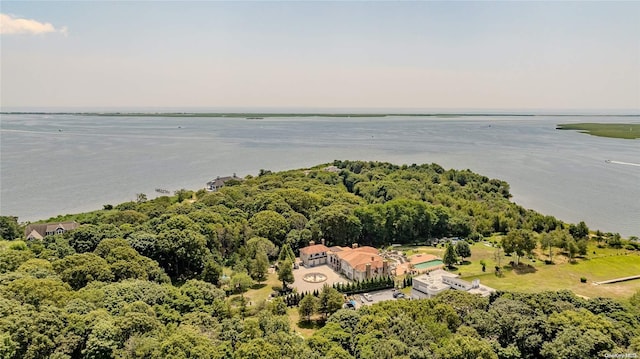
9 228
330 300
450 258
271 225
463 250
240 282
308 306
519 242
259 267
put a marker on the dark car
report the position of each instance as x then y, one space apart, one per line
398 295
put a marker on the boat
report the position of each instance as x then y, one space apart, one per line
607 161
165 191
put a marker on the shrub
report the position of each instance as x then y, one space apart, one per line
583 280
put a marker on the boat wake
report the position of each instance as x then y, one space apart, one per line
623 163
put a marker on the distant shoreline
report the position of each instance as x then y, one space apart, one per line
253 115
628 131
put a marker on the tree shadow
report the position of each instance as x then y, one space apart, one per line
311 324
523 268
258 285
465 263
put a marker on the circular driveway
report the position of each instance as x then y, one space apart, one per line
303 286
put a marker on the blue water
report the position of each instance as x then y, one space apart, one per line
57 164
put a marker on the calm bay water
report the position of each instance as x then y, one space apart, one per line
57 164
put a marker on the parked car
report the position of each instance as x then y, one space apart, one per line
361 299
368 297
349 305
296 266
398 295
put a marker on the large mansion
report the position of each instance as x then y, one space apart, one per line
356 263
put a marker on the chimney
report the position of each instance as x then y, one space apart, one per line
354 246
311 243
322 241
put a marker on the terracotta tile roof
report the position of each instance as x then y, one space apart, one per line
358 258
367 249
378 264
348 251
316 248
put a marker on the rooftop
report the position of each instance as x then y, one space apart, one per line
314 249
358 258
43 228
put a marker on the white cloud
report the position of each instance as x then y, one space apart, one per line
11 25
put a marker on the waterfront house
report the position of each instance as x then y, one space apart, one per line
219 182
38 231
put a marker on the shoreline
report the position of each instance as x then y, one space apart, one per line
255 115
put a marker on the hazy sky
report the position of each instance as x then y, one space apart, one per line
405 55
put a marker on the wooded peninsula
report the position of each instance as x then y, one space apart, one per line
213 274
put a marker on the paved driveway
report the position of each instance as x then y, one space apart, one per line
380 295
332 277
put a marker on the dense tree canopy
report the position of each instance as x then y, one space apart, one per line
144 279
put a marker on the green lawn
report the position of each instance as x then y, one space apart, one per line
606 263
614 130
305 329
599 264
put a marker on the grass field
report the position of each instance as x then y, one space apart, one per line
567 276
258 293
614 130
598 265
302 327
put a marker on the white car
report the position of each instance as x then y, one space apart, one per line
368 297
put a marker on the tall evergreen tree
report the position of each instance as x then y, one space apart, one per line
285 273
286 253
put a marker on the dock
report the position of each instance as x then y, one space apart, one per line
623 279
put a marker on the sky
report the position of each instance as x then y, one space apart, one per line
364 55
